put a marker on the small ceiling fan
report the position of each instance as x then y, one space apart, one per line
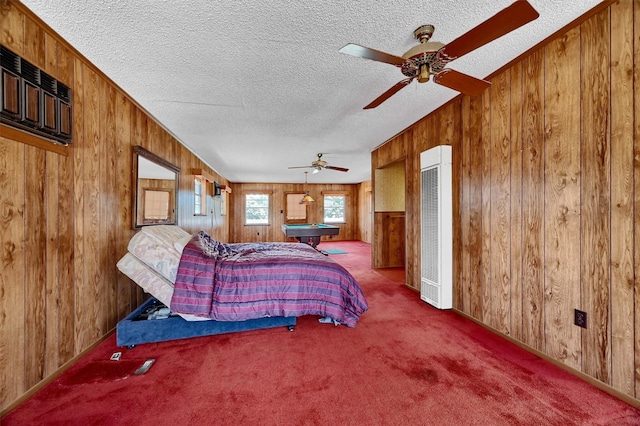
430 57
320 164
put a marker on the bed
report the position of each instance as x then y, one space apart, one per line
213 288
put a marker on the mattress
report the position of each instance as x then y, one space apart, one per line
165 233
150 281
155 246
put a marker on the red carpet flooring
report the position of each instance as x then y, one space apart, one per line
405 363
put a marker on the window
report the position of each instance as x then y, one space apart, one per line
156 206
200 196
295 212
256 209
334 208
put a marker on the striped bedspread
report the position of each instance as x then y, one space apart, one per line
265 279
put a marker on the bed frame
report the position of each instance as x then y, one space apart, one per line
136 328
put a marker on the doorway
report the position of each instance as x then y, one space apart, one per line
389 218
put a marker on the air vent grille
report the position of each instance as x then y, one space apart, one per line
34 101
9 60
30 72
430 223
436 227
48 83
64 92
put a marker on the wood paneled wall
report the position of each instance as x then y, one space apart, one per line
389 237
65 214
546 197
240 232
365 211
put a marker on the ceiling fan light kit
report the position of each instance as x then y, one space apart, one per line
320 164
306 199
429 58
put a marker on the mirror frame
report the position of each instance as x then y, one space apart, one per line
138 152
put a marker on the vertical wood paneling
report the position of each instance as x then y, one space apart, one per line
36 273
622 272
123 192
465 211
365 210
548 190
12 278
485 253
65 64
532 202
51 250
562 198
140 128
516 252
52 256
412 210
11 22
90 328
636 192
392 224
455 139
34 43
51 55
65 217
472 132
384 154
154 142
109 204
104 170
595 197
79 206
500 202
184 197
67 267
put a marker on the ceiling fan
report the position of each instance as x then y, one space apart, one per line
430 57
320 164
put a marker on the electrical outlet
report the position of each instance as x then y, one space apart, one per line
580 318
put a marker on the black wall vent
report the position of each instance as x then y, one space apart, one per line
32 100
48 83
29 72
9 60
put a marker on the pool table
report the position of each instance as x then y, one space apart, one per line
309 233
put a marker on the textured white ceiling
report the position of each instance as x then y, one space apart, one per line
253 87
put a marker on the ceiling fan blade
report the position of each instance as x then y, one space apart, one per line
340 169
505 21
301 167
463 83
375 55
386 95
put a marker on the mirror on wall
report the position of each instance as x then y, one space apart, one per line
155 188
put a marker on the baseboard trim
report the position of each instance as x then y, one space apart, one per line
600 385
44 382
